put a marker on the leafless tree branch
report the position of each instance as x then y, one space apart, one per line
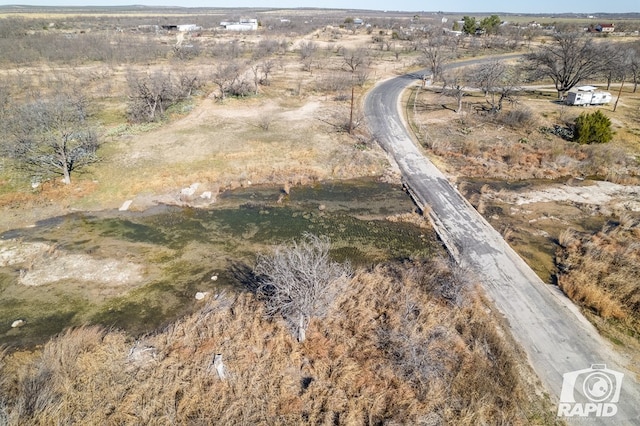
299 281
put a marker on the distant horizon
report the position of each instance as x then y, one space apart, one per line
446 12
551 7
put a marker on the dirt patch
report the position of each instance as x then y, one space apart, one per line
14 252
605 197
223 130
41 264
82 267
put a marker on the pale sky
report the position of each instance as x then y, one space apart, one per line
512 6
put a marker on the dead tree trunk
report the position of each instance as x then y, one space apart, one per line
302 333
219 366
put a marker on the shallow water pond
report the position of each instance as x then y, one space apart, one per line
141 270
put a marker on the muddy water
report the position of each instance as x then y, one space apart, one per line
182 249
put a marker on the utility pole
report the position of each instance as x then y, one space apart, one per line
351 115
619 93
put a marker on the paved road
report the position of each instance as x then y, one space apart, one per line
553 333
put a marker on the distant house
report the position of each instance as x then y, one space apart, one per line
242 25
447 31
587 95
605 28
602 28
182 27
188 27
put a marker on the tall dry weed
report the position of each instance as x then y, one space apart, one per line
599 271
400 345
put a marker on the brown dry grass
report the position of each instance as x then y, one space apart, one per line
475 145
392 351
600 272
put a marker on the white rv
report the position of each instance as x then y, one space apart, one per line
587 95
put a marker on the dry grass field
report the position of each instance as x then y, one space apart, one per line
394 349
407 342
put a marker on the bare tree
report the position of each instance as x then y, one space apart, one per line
265 47
361 76
569 59
333 81
308 53
228 49
51 137
255 69
234 49
355 59
299 281
227 76
261 71
267 67
188 83
497 80
454 87
186 52
149 95
616 66
435 56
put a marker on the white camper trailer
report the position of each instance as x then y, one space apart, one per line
600 98
587 95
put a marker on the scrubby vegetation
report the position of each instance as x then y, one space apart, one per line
403 343
300 281
396 348
593 128
518 142
600 271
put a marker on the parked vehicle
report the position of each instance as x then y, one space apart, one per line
587 95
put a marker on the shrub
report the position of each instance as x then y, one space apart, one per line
593 128
518 117
300 281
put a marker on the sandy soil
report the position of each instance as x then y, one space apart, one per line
607 196
42 264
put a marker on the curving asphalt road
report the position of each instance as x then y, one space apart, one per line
555 336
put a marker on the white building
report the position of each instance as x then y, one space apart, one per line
188 27
242 25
